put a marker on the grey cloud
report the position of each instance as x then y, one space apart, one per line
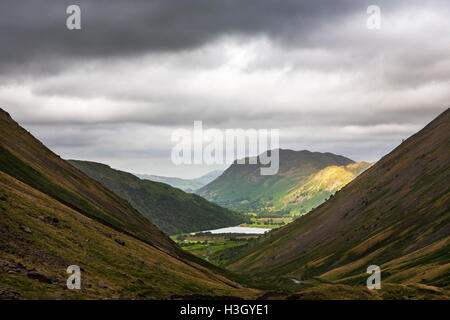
34 30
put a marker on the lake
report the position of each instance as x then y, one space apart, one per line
238 229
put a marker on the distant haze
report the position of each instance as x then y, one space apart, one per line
188 185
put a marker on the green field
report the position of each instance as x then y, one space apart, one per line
206 245
270 223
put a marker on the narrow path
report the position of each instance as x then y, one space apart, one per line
209 249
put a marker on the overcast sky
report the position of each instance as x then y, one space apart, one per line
115 90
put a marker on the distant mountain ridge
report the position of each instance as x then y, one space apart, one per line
243 188
188 185
170 209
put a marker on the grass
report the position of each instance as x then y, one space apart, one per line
136 269
206 246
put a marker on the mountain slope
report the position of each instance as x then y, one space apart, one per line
243 188
170 209
188 185
40 237
395 215
320 186
28 160
52 215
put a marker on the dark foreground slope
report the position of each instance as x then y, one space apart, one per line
40 237
52 215
395 215
171 210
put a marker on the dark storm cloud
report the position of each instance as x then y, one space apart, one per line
35 41
33 33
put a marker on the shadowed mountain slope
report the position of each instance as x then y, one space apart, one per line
395 215
170 209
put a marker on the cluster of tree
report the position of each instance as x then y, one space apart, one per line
188 244
274 223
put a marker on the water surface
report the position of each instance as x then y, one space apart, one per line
238 229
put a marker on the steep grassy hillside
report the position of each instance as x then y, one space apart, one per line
28 160
188 185
395 215
170 209
243 188
40 237
52 215
319 187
